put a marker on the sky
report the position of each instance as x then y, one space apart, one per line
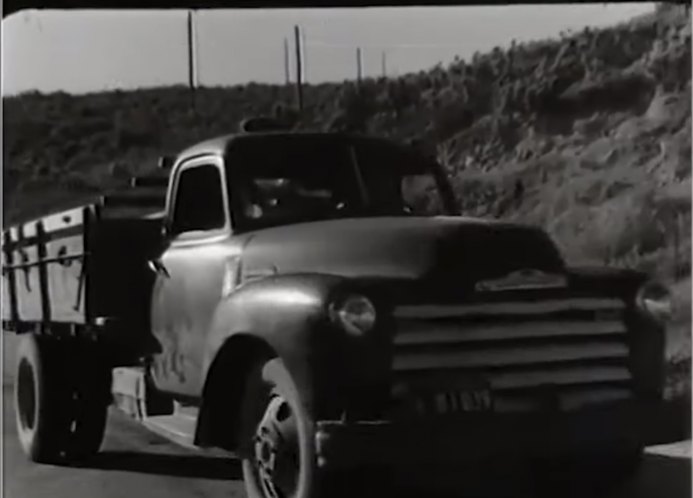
88 51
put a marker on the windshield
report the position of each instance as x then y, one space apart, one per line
292 179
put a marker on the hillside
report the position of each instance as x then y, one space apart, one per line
588 136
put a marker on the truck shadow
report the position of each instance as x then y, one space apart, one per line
659 476
192 466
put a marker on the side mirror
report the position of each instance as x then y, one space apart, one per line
166 162
165 229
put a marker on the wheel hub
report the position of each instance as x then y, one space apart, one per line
276 450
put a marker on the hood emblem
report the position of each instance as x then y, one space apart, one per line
523 279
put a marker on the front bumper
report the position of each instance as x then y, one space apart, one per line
448 439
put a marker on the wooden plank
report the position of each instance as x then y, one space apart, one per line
149 181
28 285
29 229
43 274
133 199
65 267
131 212
62 220
9 296
91 214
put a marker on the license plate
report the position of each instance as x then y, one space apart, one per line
461 401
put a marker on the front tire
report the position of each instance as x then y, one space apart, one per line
277 434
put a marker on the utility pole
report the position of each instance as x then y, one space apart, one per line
359 66
304 59
191 60
299 79
383 64
287 77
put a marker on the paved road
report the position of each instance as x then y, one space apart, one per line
135 463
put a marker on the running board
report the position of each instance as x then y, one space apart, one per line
135 395
177 428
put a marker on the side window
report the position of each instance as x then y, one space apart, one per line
198 203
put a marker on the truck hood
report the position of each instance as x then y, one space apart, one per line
463 250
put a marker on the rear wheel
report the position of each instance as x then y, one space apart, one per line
61 400
42 399
89 414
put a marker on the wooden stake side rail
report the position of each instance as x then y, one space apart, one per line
74 265
44 266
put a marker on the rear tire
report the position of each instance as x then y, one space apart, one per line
89 414
61 399
42 398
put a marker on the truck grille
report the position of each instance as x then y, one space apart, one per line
569 352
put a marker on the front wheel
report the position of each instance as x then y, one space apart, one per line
278 458
277 449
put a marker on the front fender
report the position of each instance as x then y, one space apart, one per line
290 314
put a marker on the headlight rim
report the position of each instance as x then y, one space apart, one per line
660 312
337 313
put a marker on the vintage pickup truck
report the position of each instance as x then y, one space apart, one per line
314 303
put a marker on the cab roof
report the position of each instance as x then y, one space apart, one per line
221 144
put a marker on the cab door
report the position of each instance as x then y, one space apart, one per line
190 273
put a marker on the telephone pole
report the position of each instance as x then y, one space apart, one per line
287 77
359 65
191 60
299 78
304 59
383 63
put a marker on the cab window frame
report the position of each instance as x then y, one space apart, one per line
184 165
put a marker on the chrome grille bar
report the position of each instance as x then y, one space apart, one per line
419 333
508 356
516 348
519 307
518 378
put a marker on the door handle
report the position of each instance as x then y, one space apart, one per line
158 267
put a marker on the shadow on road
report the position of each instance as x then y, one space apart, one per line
170 465
658 476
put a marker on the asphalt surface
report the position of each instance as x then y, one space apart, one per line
135 463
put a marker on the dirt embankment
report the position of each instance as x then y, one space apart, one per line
588 136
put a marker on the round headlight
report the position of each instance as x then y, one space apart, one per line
655 299
355 314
